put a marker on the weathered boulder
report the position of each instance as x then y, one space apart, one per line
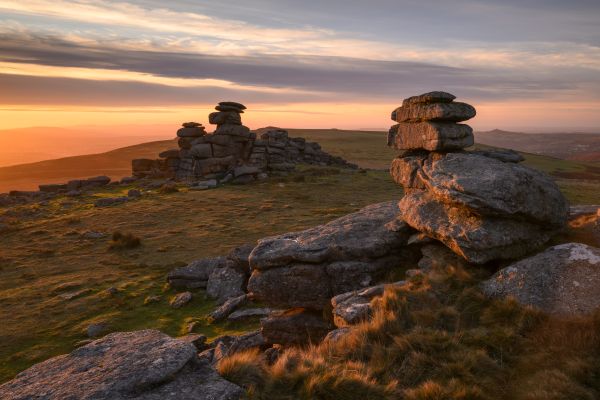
432 136
447 112
306 269
195 274
225 282
477 238
294 327
358 236
563 279
146 365
490 187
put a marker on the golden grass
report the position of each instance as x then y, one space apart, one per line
438 338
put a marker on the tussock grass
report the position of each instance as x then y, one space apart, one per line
437 338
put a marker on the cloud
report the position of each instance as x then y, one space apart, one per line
287 78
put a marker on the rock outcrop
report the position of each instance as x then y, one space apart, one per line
307 268
295 326
563 279
232 152
482 205
145 365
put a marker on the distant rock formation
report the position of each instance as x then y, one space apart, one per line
482 205
232 145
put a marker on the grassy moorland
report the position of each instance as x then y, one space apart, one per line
53 277
46 257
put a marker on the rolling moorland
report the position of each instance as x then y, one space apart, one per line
54 275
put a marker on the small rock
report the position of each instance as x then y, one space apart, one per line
336 334
75 294
228 307
134 193
249 313
180 299
155 299
97 329
93 235
210 184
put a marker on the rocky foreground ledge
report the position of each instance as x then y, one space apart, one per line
144 365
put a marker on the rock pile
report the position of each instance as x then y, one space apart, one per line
232 152
482 205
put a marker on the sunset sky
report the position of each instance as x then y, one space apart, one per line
524 64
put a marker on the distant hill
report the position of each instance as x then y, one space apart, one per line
115 163
569 146
27 145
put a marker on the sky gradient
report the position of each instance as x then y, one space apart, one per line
525 65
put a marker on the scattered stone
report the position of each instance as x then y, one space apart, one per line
249 313
110 201
195 275
93 235
169 187
294 327
134 194
180 299
210 184
146 365
111 291
228 307
153 299
563 279
74 294
97 329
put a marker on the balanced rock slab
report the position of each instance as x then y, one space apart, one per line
358 236
430 97
563 279
486 186
431 136
145 365
476 238
443 112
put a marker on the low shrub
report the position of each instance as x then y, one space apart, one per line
121 241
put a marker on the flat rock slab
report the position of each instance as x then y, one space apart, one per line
447 112
358 236
563 279
147 365
431 136
429 97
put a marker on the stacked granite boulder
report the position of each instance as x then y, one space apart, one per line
276 151
482 205
219 155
